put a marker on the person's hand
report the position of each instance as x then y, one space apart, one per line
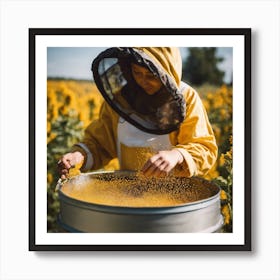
69 160
162 163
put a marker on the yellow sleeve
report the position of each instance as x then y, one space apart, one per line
195 139
99 143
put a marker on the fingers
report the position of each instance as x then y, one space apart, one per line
63 176
64 173
64 164
67 162
151 164
162 163
62 170
156 166
70 164
160 171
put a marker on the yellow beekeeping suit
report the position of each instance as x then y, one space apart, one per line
194 138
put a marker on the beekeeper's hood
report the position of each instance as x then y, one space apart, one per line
159 113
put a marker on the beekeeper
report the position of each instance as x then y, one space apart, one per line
151 120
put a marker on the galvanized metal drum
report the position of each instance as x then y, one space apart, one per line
197 210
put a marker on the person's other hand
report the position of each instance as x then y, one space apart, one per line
162 163
68 161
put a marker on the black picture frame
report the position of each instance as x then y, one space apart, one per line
34 245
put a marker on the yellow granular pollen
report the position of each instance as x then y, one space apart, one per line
75 171
137 192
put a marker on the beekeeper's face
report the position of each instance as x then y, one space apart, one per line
145 79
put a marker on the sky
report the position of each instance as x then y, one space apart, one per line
75 63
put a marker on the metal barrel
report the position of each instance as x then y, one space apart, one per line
198 216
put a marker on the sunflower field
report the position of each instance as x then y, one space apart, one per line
73 104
